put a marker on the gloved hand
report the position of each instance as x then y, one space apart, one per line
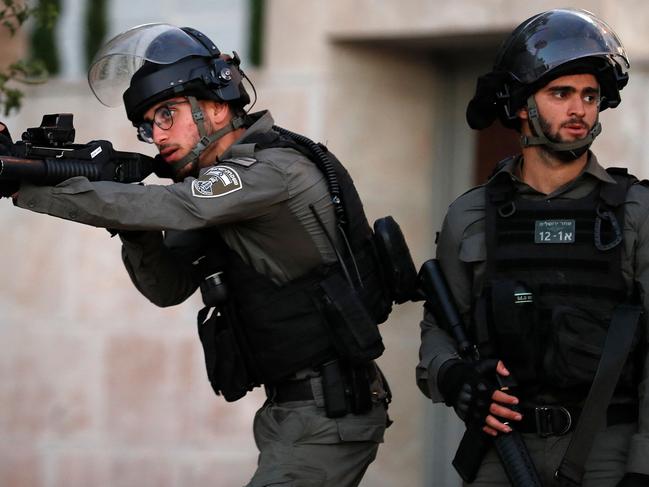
7 188
5 140
163 169
468 388
632 479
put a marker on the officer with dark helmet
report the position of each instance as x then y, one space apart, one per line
548 264
269 226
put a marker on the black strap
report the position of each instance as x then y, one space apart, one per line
290 390
500 188
593 416
615 194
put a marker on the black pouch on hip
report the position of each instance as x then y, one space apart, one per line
226 365
355 335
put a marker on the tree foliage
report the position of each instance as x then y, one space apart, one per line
44 50
96 28
13 15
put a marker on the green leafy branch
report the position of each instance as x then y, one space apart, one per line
25 72
13 14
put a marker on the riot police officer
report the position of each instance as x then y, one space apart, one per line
547 263
269 226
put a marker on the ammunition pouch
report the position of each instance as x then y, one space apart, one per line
228 369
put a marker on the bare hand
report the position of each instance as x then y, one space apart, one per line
499 410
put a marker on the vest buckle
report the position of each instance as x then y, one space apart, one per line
552 421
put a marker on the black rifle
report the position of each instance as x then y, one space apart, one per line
46 155
510 447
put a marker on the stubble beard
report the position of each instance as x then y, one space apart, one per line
546 152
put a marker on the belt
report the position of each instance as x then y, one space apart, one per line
554 420
291 390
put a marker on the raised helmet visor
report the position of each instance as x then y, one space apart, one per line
115 64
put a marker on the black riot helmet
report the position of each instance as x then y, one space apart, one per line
151 63
546 46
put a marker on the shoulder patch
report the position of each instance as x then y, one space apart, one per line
241 161
216 181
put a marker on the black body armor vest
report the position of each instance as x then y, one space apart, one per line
553 279
283 329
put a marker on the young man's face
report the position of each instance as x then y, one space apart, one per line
174 130
568 107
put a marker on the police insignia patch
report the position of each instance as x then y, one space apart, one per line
216 181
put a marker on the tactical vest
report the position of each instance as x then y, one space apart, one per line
553 279
285 328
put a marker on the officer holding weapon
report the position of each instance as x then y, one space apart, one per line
269 226
547 263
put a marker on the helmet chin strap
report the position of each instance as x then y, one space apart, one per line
205 140
566 151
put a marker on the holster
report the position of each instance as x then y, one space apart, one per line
346 387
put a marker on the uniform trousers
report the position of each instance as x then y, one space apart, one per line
299 446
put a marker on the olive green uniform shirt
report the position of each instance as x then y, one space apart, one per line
259 200
462 252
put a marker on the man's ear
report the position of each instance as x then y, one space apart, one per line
219 111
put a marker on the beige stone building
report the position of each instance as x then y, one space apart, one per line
98 387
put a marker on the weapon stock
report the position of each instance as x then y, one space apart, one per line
511 448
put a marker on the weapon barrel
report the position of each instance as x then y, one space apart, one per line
16 168
439 296
47 171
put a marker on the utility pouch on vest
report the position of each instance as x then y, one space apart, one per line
517 335
354 334
577 340
225 362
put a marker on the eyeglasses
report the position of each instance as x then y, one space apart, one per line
162 117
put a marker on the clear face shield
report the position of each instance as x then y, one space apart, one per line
111 71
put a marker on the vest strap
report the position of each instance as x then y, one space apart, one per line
593 416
